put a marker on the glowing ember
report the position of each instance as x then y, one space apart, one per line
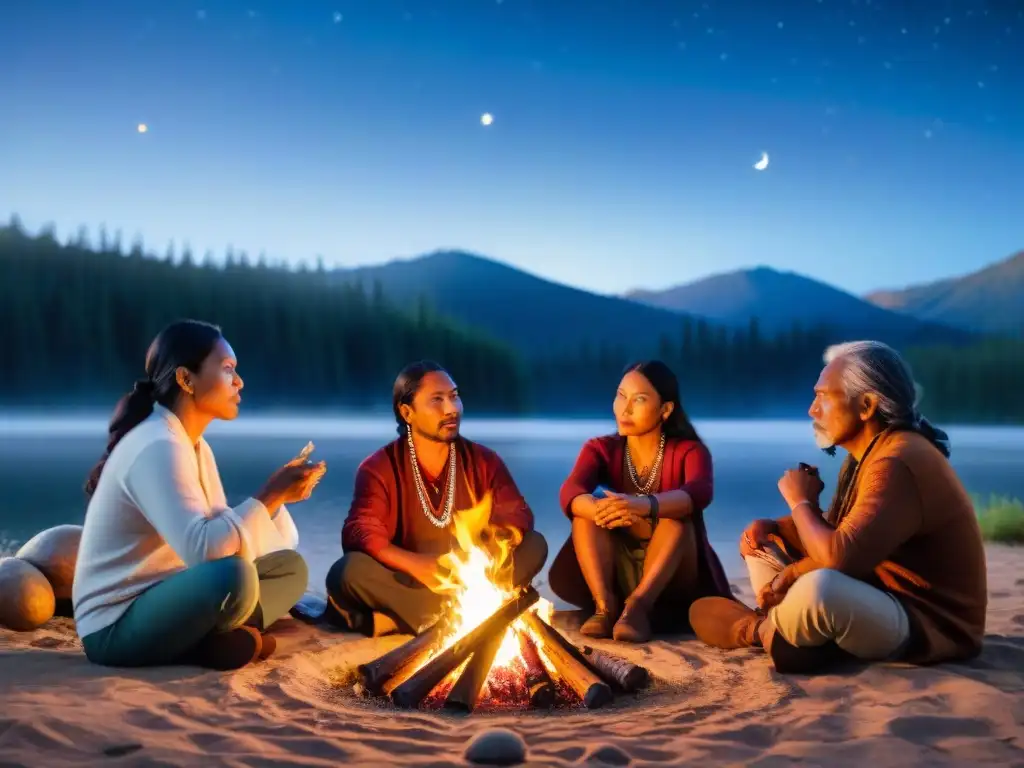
463 660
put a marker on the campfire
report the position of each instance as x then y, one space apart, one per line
493 642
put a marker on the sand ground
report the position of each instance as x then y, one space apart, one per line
720 708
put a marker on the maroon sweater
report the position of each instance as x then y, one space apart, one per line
386 509
686 466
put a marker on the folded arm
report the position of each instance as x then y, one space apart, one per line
697 490
887 513
508 507
577 493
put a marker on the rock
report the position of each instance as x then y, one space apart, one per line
497 746
55 552
607 754
26 597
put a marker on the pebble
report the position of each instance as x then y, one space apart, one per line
497 746
607 754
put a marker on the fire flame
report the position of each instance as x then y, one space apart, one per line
480 579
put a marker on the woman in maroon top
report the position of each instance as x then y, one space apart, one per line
639 553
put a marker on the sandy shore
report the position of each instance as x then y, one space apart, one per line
713 707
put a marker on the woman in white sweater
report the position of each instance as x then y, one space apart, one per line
167 573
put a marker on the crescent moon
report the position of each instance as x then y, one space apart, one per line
762 163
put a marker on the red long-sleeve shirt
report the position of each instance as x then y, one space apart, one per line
386 508
686 466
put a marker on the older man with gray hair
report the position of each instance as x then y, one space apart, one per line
895 569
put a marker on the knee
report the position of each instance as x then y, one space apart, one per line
816 589
534 548
348 570
296 568
236 587
235 575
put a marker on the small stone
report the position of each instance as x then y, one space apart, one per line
55 553
497 746
607 754
26 597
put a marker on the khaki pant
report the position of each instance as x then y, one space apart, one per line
826 605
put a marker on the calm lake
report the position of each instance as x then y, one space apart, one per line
44 460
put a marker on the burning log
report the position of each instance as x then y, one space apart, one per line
465 694
383 674
614 669
411 692
570 666
538 682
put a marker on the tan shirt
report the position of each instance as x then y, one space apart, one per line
911 530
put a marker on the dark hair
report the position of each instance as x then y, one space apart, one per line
408 384
666 384
185 343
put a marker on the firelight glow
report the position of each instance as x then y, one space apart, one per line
481 580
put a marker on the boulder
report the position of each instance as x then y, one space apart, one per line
26 597
54 552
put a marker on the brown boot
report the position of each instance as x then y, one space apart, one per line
226 651
268 644
634 626
383 625
725 623
600 625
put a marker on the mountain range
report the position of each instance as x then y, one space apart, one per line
542 317
990 300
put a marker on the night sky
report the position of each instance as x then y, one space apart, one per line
621 150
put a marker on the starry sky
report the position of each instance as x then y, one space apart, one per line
620 154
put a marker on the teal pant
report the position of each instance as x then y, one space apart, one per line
169 619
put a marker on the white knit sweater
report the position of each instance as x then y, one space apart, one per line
159 508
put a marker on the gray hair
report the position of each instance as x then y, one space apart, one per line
875 367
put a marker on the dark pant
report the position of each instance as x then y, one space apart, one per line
358 586
169 619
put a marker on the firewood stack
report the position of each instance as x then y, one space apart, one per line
556 671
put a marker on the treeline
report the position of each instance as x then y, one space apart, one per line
722 371
77 321
742 373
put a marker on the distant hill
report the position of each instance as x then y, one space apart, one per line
779 299
990 300
534 315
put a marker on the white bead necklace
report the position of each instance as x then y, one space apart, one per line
646 487
421 489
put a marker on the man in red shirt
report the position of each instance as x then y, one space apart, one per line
400 521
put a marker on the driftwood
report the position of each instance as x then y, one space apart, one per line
411 692
538 681
617 670
465 694
383 674
570 666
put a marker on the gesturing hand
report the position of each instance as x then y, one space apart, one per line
295 481
619 510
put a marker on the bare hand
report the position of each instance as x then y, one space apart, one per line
773 592
757 535
619 510
427 570
799 485
295 481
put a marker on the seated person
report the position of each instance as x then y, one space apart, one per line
639 553
166 572
400 521
895 569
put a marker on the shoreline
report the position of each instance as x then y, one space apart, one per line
717 707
